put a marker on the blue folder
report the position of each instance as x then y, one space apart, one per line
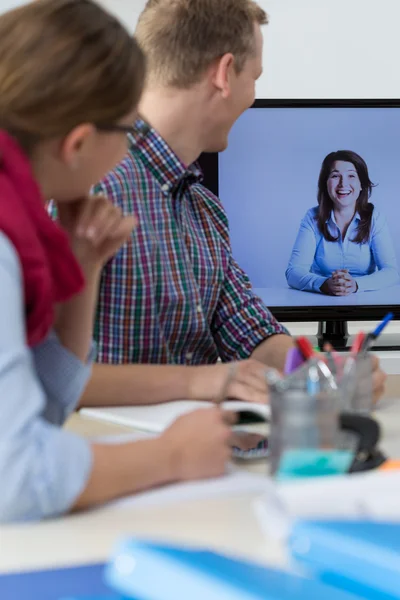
140 569
56 584
360 556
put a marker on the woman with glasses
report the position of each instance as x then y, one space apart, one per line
70 80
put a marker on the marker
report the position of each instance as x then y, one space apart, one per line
306 348
308 352
313 381
371 337
294 360
358 343
332 354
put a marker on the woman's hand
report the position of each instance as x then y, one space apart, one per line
341 283
199 444
97 229
343 277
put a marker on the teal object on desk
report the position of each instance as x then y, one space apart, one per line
360 556
140 569
313 462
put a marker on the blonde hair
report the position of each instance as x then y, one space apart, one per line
64 63
182 38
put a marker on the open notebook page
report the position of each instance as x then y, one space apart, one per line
156 418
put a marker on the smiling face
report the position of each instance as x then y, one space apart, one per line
343 184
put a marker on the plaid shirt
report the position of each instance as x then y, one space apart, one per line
173 293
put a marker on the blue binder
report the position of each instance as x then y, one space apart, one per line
360 556
149 571
56 584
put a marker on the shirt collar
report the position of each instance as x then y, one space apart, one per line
332 219
160 159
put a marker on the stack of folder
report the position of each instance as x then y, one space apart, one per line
340 560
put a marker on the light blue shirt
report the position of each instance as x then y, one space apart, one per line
373 265
43 468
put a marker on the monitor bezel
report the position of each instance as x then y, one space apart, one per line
209 164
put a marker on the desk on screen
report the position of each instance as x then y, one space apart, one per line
286 296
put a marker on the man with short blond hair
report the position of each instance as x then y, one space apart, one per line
182 38
174 301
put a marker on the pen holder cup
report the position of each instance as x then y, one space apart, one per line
305 432
353 375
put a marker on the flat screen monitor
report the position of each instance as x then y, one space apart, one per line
312 193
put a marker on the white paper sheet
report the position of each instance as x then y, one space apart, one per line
158 417
374 495
235 482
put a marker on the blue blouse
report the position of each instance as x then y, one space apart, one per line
43 468
373 264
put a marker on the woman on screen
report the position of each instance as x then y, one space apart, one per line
343 245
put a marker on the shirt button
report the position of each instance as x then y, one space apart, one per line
199 308
165 187
189 356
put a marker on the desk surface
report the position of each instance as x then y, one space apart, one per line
223 524
285 296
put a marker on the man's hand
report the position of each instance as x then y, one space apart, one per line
378 379
378 376
249 383
96 229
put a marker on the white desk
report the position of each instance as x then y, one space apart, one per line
224 524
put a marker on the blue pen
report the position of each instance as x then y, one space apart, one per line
313 381
371 337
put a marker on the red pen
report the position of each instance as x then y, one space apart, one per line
358 342
306 348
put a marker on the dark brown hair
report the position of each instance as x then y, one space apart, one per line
64 63
363 206
182 38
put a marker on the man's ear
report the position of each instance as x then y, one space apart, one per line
222 73
74 145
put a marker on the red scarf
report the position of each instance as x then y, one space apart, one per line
50 271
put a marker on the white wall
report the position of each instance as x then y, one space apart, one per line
321 48
8 4
317 48
127 10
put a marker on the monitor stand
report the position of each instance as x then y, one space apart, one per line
333 332
337 334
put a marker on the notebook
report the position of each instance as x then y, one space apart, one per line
156 418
